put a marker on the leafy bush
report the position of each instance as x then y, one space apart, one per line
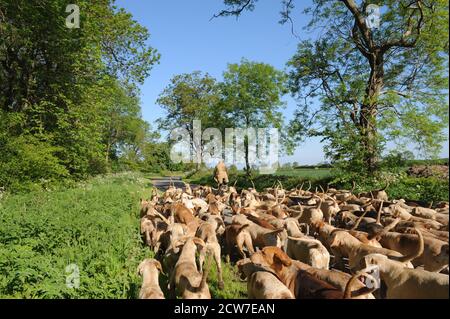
93 226
421 189
441 161
28 163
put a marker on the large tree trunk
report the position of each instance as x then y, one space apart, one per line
369 109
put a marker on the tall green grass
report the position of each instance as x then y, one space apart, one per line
93 226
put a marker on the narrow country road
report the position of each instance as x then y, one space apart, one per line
163 183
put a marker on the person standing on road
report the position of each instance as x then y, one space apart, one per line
220 174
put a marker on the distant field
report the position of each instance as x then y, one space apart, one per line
313 173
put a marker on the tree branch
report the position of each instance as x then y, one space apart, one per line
357 41
286 15
360 22
237 12
403 41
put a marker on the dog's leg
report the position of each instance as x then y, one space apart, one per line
249 245
239 244
201 260
216 254
171 286
148 240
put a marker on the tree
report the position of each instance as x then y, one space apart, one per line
287 165
58 86
373 84
252 94
189 97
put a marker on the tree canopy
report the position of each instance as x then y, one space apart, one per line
68 96
360 86
249 96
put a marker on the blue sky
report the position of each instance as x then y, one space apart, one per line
187 40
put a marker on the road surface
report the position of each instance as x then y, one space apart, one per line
163 183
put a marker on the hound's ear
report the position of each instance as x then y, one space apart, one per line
158 266
368 262
177 244
140 268
281 257
277 263
334 243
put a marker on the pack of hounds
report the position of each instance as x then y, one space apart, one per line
294 244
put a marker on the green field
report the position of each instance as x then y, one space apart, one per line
96 227
312 173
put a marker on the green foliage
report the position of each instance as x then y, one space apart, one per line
249 96
26 160
396 161
70 92
428 189
94 226
362 92
157 159
359 87
252 95
313 173
440 161
188 97
234 288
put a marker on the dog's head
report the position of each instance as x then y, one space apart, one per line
273 257
373 260
149 263
188 240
